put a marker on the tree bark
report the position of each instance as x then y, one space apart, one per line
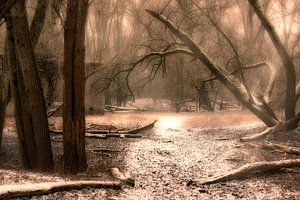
17 89
5 94
5 6
224 76
34 132
290 101
38 21
204 98
74 87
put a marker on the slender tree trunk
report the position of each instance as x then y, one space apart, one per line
290 101
38 21
5 94
74 87
33 122
204 98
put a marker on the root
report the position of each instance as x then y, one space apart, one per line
246 170
271 130
29 190
282 148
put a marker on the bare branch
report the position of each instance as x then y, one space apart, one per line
223 75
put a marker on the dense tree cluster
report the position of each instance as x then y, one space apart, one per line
181 50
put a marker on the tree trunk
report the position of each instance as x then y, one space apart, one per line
5 94
38 21
17 89
290 101
74 87
204 97
35 32
28 95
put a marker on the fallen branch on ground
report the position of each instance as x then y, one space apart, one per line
117 108
105 134
271 130
283 148
114 133
98 136
105 152
111 135
246 170
29 190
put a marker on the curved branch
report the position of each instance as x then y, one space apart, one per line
222 74
290 102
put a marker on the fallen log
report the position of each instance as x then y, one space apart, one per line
29 190
111 135
98 136
271 130
104 151
140 129
246 170
131 131
114 133
282 148
117 108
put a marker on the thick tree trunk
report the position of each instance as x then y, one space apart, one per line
290 101
34 133
74 87
35 32
237 89
17 89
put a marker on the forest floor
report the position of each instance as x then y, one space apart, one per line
181 146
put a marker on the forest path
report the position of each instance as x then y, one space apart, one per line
169 156
181 146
